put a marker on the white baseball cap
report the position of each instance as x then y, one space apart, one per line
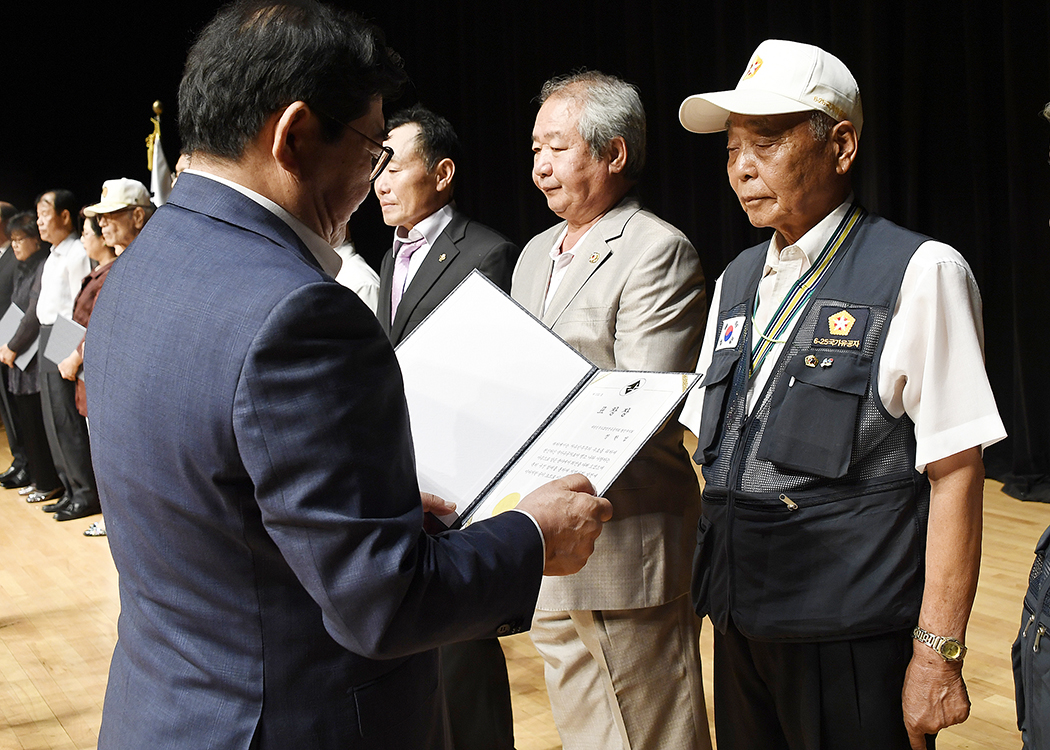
782 77
119 194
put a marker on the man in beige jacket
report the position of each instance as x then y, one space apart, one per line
626 290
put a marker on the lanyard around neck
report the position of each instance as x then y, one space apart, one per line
801 291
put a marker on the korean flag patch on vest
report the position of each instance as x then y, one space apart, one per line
730 333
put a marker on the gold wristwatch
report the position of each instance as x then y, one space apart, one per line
948 648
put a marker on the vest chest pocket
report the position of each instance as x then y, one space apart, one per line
813 416
717 380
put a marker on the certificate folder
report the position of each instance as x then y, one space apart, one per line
9 323
66 336
499 404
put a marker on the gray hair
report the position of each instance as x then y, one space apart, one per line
611 107
820 124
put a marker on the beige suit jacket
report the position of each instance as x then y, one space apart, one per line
632 298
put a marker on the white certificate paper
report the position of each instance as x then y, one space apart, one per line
596 434
499 404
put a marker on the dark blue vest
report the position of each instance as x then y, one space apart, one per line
814 519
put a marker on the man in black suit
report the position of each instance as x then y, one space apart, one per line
16 475
435 246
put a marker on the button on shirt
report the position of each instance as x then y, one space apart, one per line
932 365
64 271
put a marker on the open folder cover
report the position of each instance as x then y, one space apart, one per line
499 404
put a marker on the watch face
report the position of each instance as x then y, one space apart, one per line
950 650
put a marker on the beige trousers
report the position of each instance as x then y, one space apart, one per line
625 679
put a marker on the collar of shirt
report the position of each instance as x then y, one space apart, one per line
63 247
429 229
561 260
317 245
810 244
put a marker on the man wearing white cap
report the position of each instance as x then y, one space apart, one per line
841 532
122 211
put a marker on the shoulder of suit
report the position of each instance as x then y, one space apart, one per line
481 235
645 220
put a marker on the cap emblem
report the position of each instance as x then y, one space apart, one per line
753 68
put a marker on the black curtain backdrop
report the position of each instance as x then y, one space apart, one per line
954 144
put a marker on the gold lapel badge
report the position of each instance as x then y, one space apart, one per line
811 361
441 258
594 257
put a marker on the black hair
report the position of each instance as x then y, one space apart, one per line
24 222
437 139
257 56
63 200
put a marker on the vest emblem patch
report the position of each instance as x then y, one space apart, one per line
730 334
844 328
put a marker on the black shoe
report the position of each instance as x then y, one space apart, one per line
10 470
77 509
13 481
59 505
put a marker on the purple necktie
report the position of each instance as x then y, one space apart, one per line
397 284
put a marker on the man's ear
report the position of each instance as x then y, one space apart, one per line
138 217
444 171
844 141
288 127
617 153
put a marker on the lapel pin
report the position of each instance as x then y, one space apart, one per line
811 361
441 258
827 361
594 257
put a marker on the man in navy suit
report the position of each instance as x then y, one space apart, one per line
435 246
251 434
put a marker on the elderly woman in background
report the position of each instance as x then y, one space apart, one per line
23 385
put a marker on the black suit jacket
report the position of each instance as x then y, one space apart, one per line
8 264
463 246
252 447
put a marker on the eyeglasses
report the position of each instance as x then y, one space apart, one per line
381 155
380 158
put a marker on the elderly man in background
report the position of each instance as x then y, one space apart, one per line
122 211
252 437
840 428
625 289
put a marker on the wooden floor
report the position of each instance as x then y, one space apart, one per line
58 609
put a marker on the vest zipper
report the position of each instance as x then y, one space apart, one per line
791 504
1038 634
1024 633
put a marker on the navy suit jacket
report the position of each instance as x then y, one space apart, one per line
251 442
463 246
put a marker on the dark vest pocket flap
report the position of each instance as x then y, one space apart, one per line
847 373
716 389
813 417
